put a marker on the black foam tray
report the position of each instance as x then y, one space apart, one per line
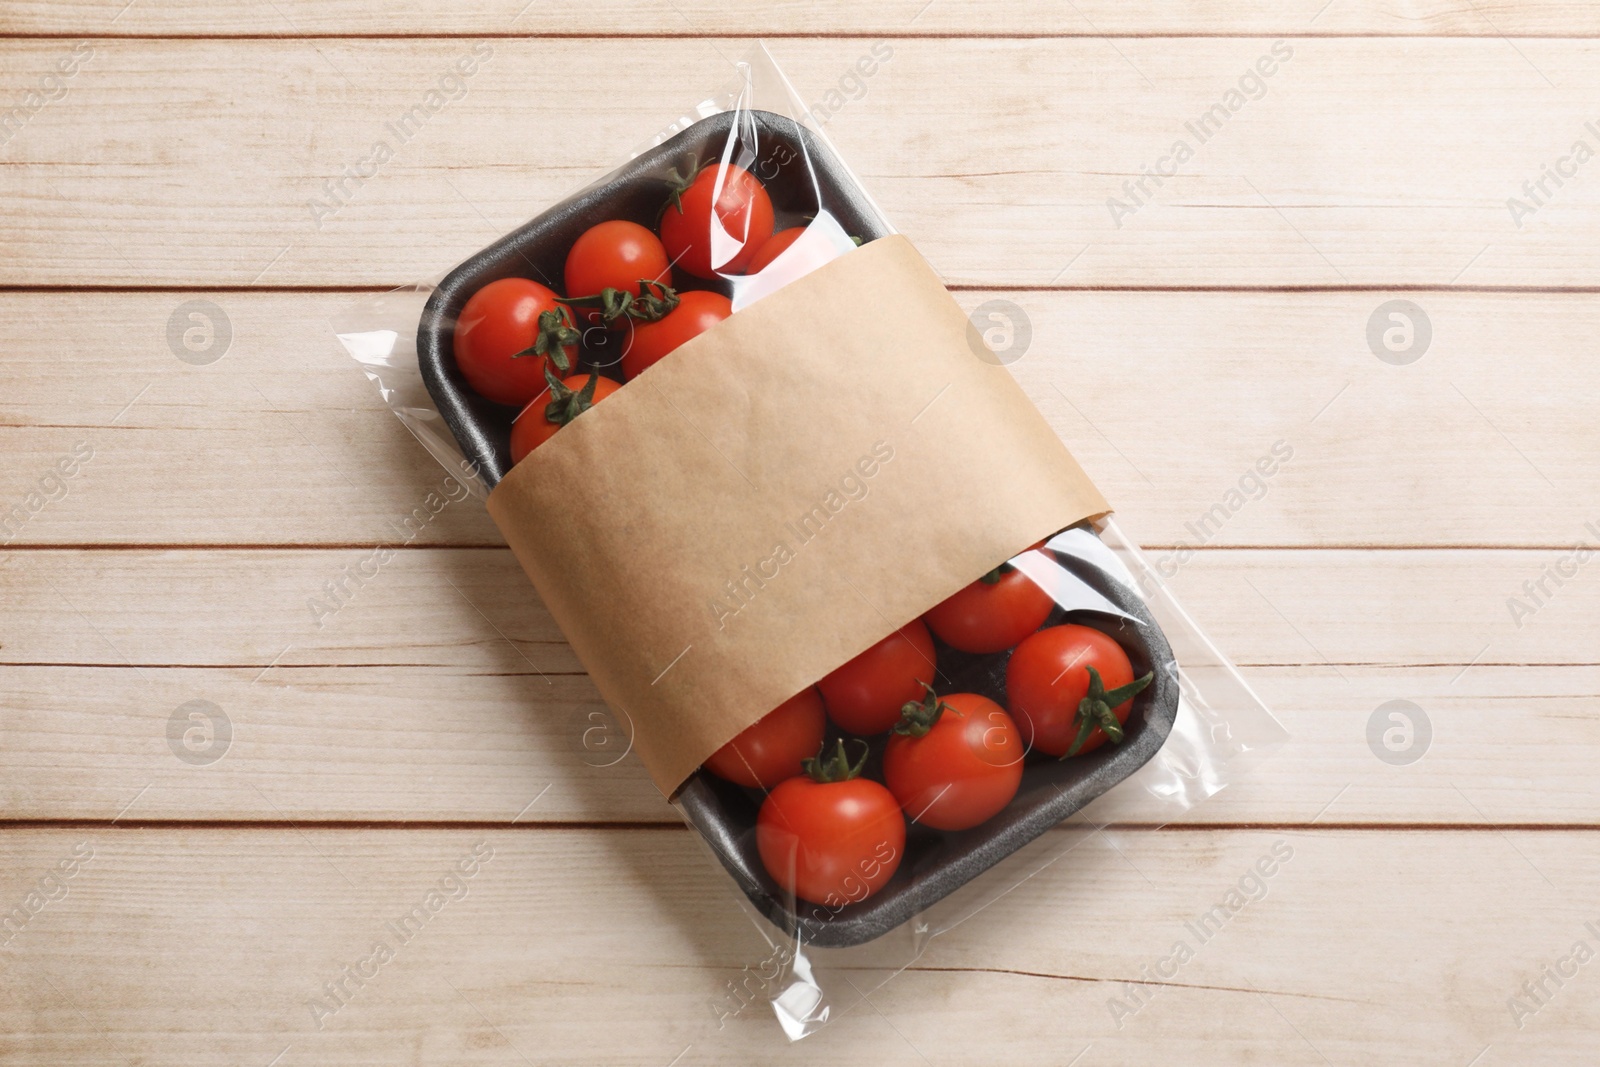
936 863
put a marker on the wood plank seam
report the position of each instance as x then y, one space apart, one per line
805 35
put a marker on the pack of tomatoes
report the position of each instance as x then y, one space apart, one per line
724 416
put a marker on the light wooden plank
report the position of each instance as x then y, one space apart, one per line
1366 161
294 18
1168 399
405 744
282 440
186 946
443 691
474 609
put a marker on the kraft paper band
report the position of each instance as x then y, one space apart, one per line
779 494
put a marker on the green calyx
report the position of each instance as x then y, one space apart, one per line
556 335
836 767
567 404
1098 708
994 576
677 183
917 717
654 302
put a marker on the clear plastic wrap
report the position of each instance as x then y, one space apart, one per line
833 897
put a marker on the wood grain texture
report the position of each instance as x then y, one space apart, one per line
1363 162
442 690
407 745
438 709
1168 399
299 18
208 943
471 608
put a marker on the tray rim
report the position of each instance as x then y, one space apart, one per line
1156 707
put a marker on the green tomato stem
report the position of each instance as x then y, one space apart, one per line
836 767
1098 708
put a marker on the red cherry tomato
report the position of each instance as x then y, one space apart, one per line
499 321
614 255
534 426
773 748
718 222
1053 696
829 836
865 695
991 616
772 248
963 766
648 342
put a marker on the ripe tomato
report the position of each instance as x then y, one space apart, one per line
614 255
993 613
696 313
540 420
1056 688
865 695
504 336
829 836
717 222
772 248
953 763
773 748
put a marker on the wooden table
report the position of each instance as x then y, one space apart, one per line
190 900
